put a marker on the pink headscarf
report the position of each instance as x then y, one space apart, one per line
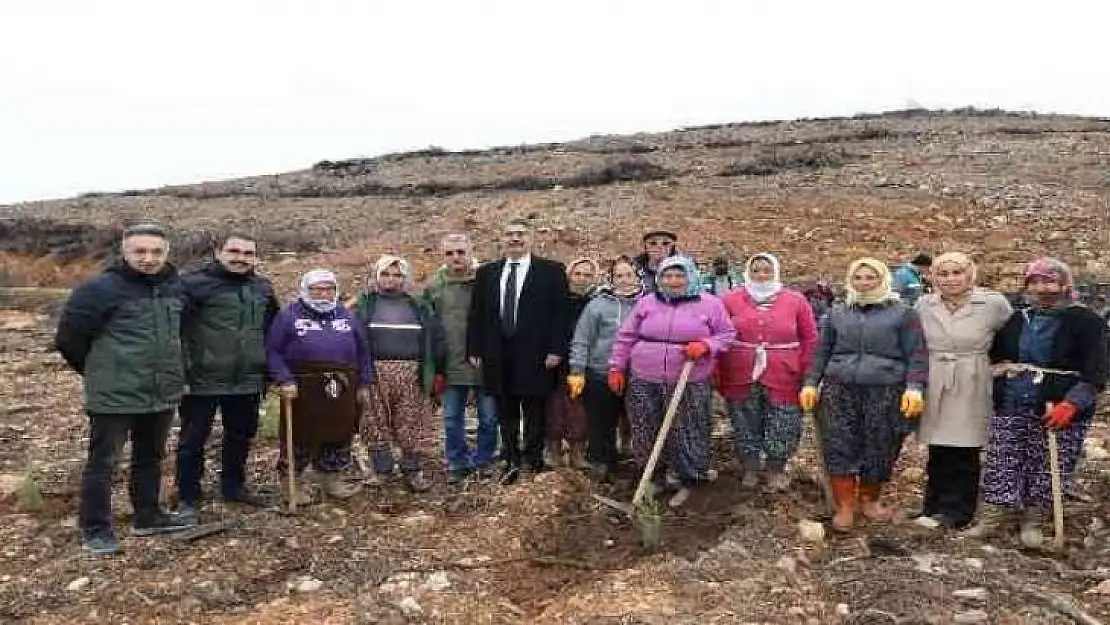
1055 270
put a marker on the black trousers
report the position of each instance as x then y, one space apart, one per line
510 407
107 435
952 484
603 409
239 414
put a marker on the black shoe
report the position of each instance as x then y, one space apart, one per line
161 523
100 543
509 476
457 476
247 495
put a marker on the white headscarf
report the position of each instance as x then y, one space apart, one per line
387 261
312 278
762 292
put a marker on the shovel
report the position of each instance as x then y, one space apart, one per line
290 454
1057 486
657 449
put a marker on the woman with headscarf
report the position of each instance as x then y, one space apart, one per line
409 347
871 365
959 321
762 374
566 416
589 363
317 357
678 322
1067 342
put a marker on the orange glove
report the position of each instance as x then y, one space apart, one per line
696 349
439 384
616 382
808 398
1061 415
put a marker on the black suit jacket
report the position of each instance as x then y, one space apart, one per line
542 320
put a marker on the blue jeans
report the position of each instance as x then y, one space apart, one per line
454 412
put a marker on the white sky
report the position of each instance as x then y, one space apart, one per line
113 94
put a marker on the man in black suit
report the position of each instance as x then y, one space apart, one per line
517 334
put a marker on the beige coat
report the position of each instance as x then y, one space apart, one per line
958 401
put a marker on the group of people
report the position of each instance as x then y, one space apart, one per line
585 357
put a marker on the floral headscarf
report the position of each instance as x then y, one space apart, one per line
693 279
1057 271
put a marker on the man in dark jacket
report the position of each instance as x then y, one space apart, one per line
230 307
517 335
121 332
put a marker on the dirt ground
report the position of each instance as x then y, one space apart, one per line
543 551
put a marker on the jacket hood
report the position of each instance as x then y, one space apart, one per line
693 278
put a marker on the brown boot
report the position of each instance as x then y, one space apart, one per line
844 496
870 504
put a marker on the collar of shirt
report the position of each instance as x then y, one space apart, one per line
522 265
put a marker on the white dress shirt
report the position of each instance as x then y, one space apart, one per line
522 267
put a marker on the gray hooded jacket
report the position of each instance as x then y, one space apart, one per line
596 330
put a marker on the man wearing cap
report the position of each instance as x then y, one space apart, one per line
658 245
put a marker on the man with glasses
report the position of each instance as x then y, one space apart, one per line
658 245
230 308
517 333
448 295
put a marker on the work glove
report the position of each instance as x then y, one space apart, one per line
696 349
439 384
1061 415
576 383
808 398
616 382
286 391
913 403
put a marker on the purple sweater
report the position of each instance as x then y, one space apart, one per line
299 333
651 342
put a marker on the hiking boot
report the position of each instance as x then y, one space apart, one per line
1031 535
844 499
777 482
990 520
100 543
336 487
247 495
158 523
187 513
871 505
417 483
457 476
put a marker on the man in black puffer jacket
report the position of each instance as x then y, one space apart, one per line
230 308
121 332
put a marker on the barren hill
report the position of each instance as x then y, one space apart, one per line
1002 185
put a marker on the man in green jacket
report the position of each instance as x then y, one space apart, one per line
121 332
230 308
448 295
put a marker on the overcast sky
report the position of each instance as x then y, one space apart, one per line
115 94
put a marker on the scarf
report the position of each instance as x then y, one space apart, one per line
312 278
963 261
693 285
762 292
597 272
385 262
1057 271
881 294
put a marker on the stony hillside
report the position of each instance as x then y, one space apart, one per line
1004 186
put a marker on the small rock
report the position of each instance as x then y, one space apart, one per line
437 581
972 616
796 611
609 542
1102 589
1096 524
811 532
68 522
972 594
788 564
309 584
420 518
974 563
989 550
335 539
842 609
409 606
78 584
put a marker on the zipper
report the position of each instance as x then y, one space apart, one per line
159 335
667 346
237 376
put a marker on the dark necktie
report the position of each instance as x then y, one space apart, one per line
508 302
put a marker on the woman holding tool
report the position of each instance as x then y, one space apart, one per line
872 362
1050 363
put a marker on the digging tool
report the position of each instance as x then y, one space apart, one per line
1057 487
290 454
822 472
657 449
